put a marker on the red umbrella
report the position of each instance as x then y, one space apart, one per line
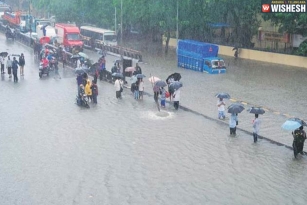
44 40
130 69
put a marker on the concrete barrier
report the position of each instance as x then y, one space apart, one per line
269 57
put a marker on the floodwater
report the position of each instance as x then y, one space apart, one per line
126 152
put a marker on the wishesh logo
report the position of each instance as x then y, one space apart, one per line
266 8
283 6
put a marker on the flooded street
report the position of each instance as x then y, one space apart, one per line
126 152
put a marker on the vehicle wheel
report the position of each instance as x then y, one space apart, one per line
40 75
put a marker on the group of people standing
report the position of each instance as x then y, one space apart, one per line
87 88
299 135
13 65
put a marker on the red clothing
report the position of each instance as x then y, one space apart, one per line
45 62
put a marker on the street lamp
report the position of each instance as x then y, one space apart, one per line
177 19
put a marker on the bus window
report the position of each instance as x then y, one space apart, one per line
110 38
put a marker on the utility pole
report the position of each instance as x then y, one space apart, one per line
177 19
121 38
115 17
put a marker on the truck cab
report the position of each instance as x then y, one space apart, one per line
69 36
214 65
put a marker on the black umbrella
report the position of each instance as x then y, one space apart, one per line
175 85
256 110
223 95
117 75
160 83
235 108
173 77
4 54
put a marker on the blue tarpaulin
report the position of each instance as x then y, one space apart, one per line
218 25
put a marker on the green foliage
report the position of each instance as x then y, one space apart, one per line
302 50
292 23
156 17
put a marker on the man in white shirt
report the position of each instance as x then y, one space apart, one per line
118 87
256 125
221 108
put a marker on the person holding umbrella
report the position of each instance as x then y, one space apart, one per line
256 126
234 109
256 121
221 104
176 98
221 108
299 137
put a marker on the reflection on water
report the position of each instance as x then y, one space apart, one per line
127 152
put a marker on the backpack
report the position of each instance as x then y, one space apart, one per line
299 135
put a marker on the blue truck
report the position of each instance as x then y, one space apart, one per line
200 56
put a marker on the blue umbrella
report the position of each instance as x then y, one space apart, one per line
302 123
175 85
118 75
223 95
290 125
140 76
160 83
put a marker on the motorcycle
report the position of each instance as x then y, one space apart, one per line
10 34
82 101
43 70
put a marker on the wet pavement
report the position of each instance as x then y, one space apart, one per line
126 152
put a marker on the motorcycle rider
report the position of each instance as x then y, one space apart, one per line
81 94
45 63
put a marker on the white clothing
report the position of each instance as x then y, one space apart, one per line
9 63
141 86
221 107
256 125
118 84
1 60
176 95
78 63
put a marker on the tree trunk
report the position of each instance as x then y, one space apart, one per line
168 36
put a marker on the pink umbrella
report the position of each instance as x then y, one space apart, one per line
130 69
153 79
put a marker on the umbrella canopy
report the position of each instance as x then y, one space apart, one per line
173 77
83 55
302 123
291 125
235 108
140 76
130 69
153 79
118 75
160 83
133 79
175 85
256 110
44 40
4 54
223 95
75 57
